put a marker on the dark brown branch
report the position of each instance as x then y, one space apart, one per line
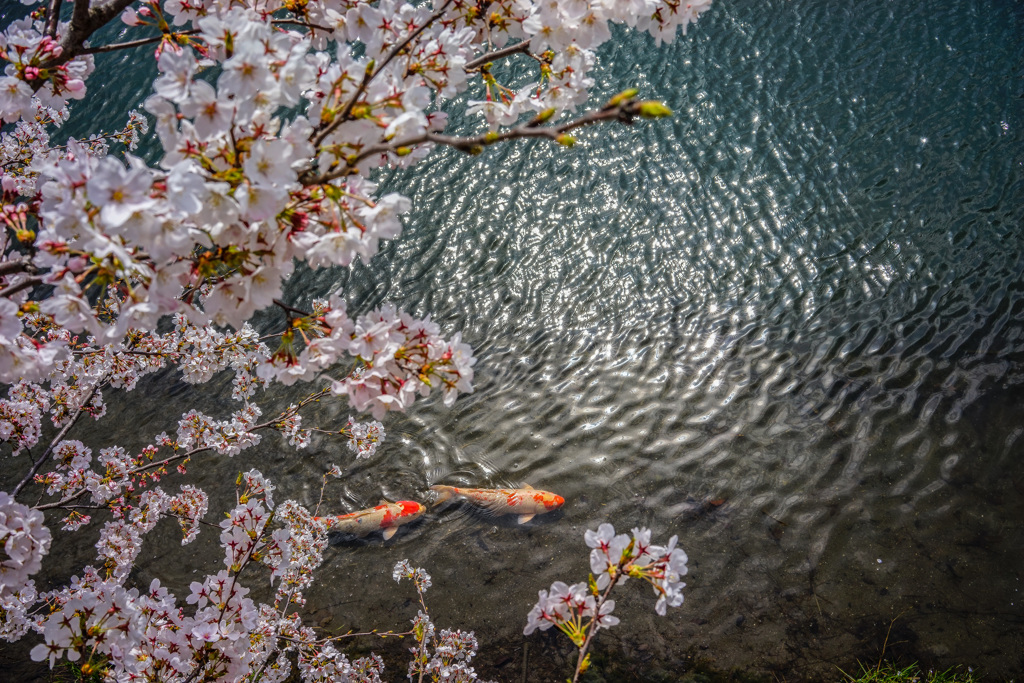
350 634
170 460
624 112
85 21
10 291
293 22
78 31
52 18
523 47
135 43
291 309
16 266
107 507
129 352
138 470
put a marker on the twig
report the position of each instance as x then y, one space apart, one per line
385 634
93 352
624 112
323 486
136 43
187 454
886 642
52 18
241 568
16 266
11 290
523 46
291 309
591 631
292 22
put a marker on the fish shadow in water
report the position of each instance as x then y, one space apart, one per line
342 539
459 509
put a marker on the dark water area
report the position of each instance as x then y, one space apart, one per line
786 325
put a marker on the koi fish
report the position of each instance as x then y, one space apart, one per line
526 502
386 516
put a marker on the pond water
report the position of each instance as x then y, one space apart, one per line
786 325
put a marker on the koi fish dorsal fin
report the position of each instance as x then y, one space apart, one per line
384 501
523 519
389 532
527 486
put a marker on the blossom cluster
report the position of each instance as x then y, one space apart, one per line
439 656
24 541
130 635
28 50
364 437
581 609
401 358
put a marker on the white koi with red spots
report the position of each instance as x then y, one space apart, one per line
386 516
525 502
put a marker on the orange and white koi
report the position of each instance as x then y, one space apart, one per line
386 516
525 502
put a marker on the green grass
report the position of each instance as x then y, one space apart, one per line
890 673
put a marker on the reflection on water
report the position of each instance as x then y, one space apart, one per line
786 325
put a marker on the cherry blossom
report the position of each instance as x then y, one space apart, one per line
25 541
580 610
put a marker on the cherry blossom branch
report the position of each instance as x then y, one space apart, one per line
56 440
21 265
11 290
129 352
293 22
368 76
142 469
323 487
625 112
107 507
85 20
241 567
591 631
375 632
52 18
139 470
136 43
522 46
291 309
423 639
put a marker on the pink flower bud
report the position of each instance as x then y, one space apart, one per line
76 87
129 17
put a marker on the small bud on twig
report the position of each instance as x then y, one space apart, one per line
622 97
652 109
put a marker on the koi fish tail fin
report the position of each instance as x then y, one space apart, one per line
442 493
